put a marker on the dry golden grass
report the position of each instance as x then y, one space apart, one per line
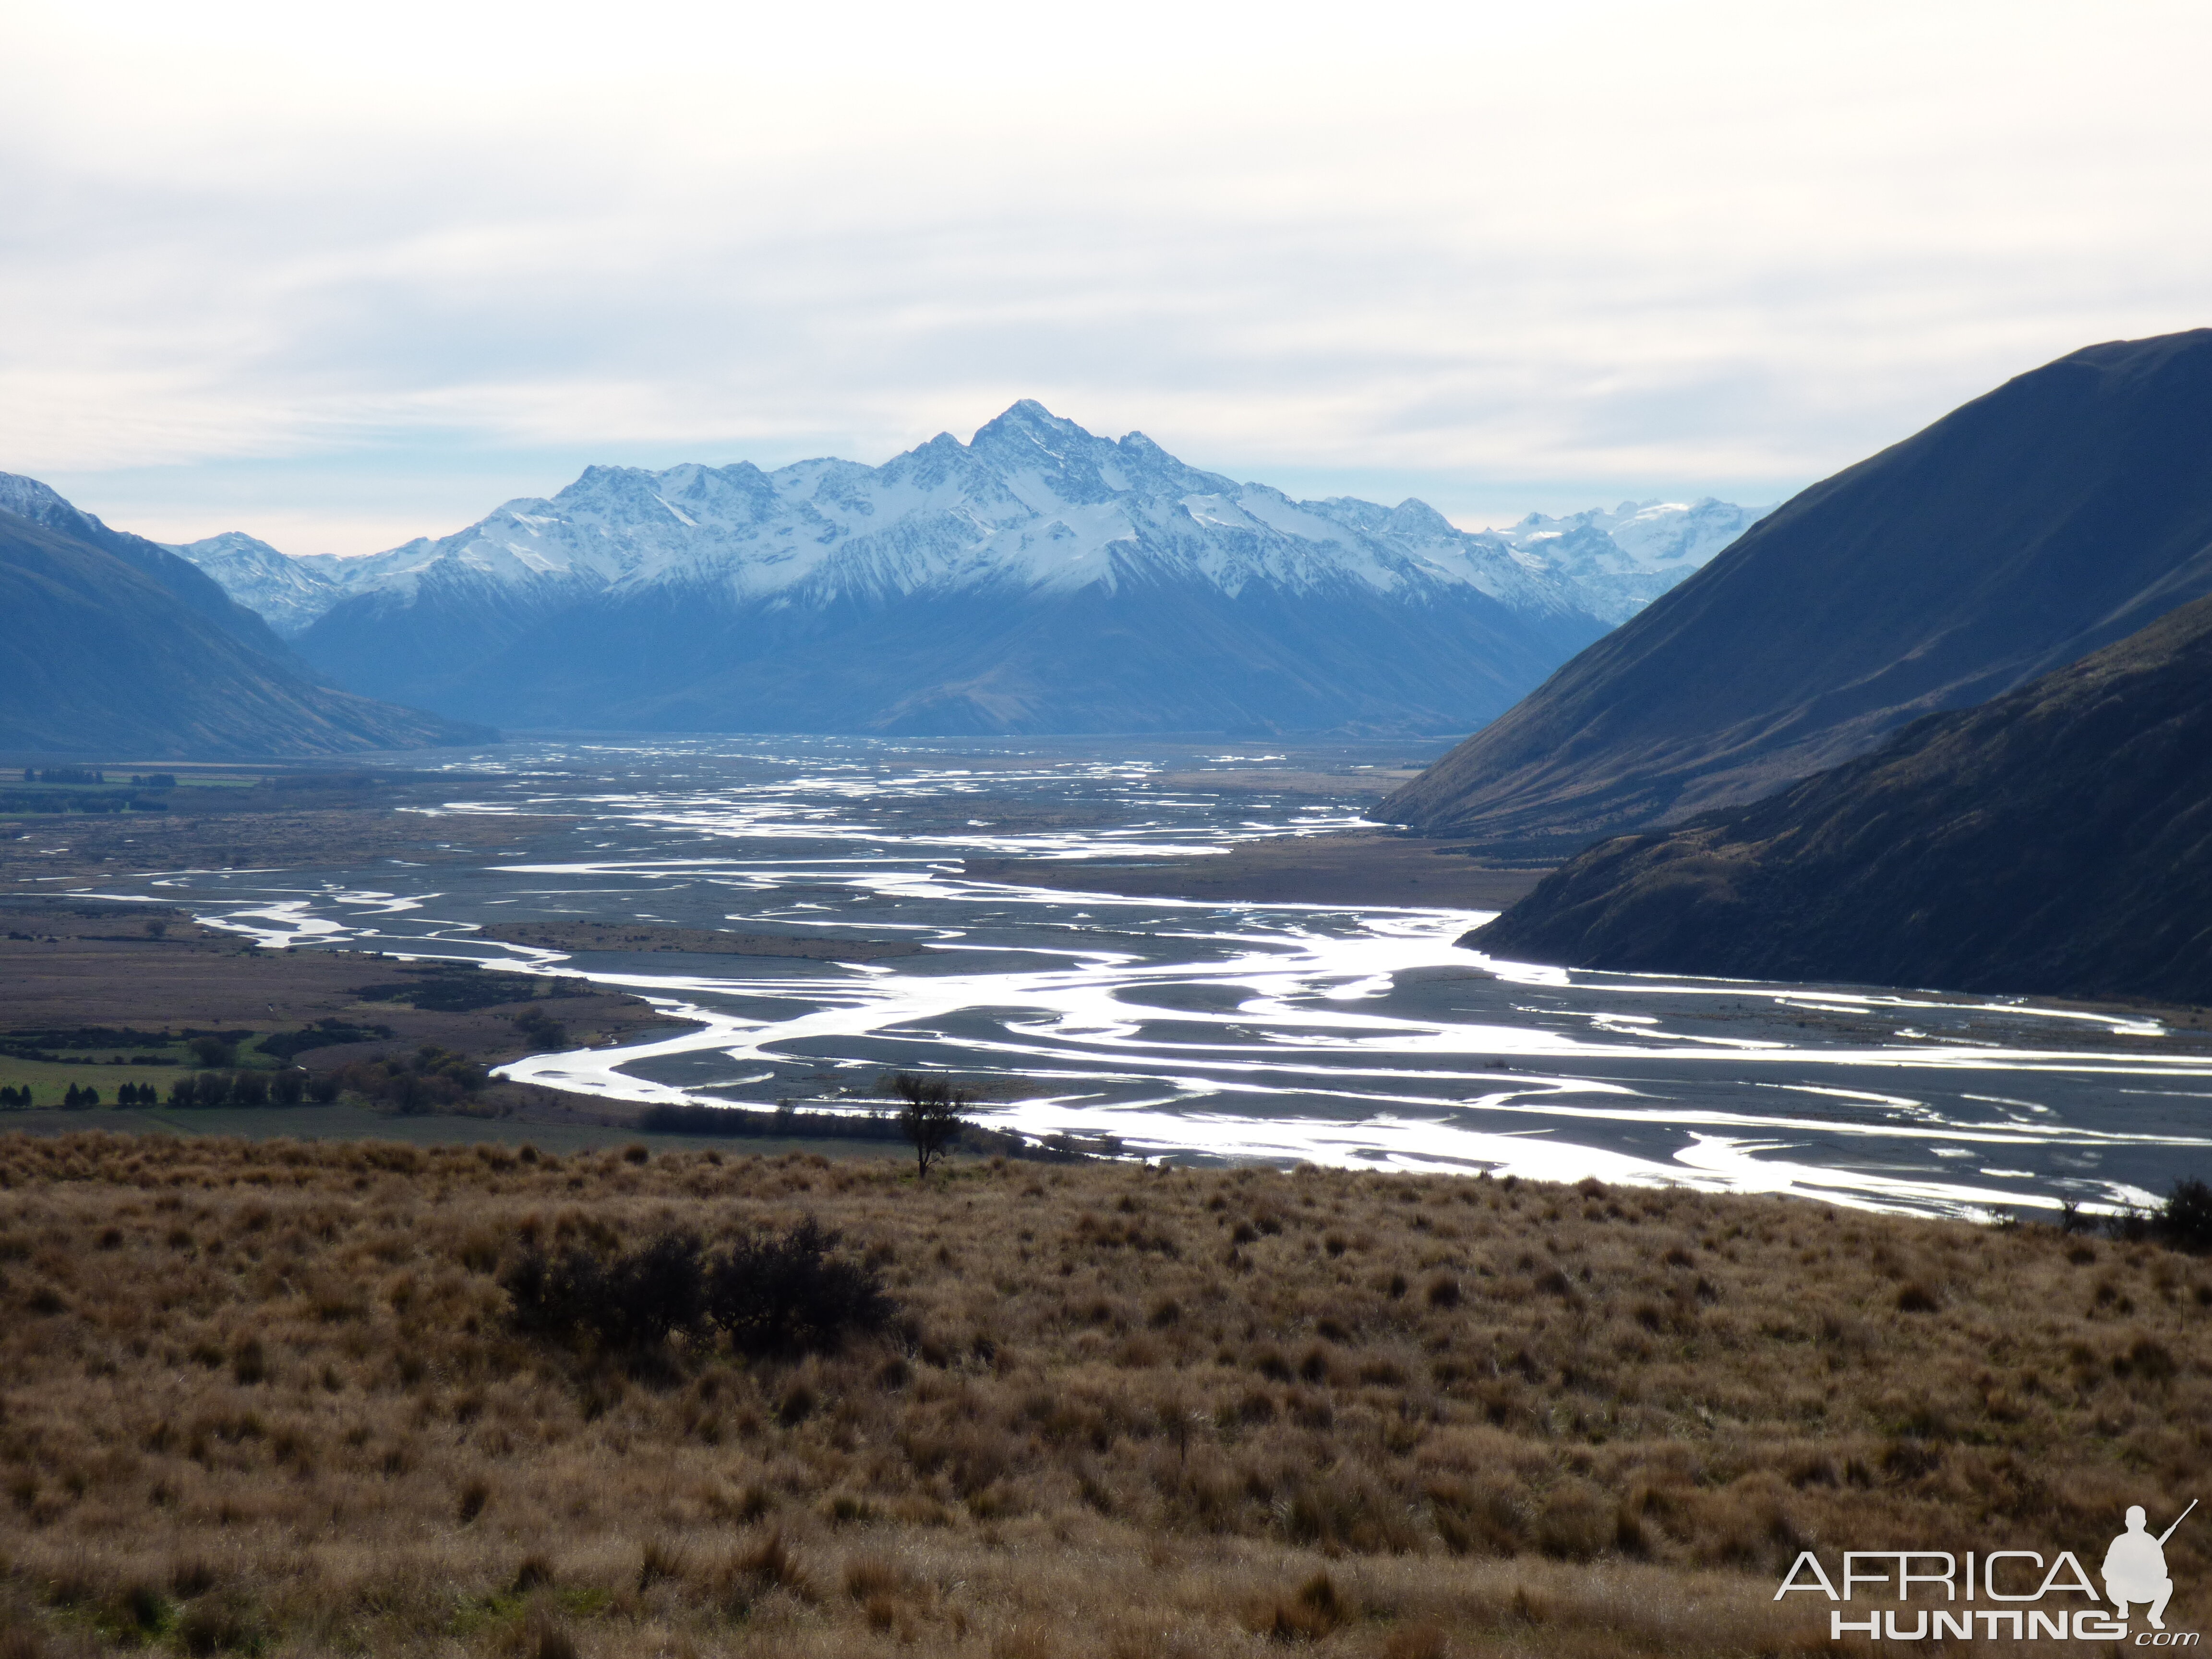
261 1397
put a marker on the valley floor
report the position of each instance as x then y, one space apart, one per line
113 1000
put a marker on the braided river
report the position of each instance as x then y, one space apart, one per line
1213 1032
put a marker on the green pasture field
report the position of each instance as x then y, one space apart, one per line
48 1082
49 1079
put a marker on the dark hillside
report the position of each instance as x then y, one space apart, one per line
2058 839
1147 656
100 657
2058 513
189 585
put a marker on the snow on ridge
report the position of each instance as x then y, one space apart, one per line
1033 501
288 594
1626 558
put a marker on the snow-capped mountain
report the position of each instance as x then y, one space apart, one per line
290 593
1623 560
1037 578
1034 502
729 598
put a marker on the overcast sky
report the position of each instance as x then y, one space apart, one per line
343 275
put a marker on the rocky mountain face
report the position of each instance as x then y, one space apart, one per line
286 592
1623 560
117 648
2057 840
1036 578
2052 517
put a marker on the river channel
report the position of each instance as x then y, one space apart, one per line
1207 1030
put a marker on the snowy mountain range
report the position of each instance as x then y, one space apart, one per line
1038 577
1623 560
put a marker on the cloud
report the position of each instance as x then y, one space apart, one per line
424 260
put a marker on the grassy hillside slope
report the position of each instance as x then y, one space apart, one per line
265 1397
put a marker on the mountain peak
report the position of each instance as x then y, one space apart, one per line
1026 419
27 498
1414 516
226 541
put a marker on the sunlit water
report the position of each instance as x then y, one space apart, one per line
1354 1037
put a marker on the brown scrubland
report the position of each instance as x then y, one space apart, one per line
265 1397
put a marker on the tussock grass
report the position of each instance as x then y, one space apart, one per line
269 1397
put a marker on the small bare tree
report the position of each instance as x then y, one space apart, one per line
932 1115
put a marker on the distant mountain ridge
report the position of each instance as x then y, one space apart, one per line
2057 840
1613 562
2049 518
116 648
1039 578
287 592
1623 560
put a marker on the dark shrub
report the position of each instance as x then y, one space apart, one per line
662 1287
792 1295
624 1303
669 1119
434 1078
2184 1220
540 1030
323 1034
2130 1225
771 1297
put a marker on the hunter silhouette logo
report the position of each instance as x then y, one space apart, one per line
2135 1568
2033 1600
